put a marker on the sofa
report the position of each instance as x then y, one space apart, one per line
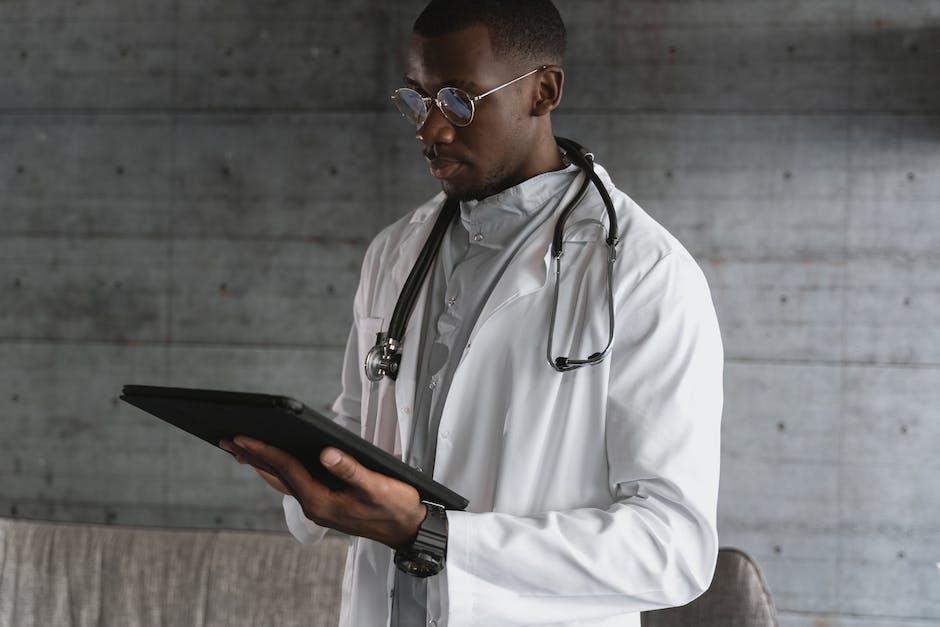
78 575
84 575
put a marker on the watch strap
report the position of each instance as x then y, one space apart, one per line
425 555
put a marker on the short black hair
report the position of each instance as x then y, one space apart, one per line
530 29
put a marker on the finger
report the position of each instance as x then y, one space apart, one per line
345 468
244 457
232 449
273 481
284 466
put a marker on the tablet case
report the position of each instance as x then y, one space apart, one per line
280 421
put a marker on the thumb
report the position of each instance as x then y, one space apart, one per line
343 467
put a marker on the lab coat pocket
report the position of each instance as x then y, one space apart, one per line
378 418
367 329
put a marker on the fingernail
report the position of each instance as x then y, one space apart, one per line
330 457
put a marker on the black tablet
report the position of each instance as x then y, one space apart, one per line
282 422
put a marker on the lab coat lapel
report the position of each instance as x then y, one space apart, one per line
408 374
411 244
533 263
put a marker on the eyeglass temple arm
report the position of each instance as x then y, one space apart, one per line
527 74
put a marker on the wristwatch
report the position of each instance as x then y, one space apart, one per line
425 555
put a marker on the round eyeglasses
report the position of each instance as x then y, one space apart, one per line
456 105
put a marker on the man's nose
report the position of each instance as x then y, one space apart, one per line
436 129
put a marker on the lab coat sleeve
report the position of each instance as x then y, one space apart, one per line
345 406
656 544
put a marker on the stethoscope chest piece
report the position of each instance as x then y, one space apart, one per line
383 359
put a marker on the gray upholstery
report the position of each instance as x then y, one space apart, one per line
90 575
737 597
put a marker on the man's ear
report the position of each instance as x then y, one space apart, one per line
551 83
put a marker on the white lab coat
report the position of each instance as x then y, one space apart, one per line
592 493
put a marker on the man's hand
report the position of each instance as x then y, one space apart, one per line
370 505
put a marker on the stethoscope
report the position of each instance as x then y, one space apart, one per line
384 359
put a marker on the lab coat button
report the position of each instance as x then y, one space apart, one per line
451 301
478 237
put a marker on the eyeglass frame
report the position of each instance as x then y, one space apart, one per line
471 99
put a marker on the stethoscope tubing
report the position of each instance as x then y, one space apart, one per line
383 358
409 293
565 364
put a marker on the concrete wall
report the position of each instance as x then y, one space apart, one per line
186 190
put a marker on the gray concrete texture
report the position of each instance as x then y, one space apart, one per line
188 187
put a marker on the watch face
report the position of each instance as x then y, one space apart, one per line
419 564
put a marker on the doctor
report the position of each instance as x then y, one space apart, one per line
592 492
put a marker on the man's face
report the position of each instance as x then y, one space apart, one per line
492 153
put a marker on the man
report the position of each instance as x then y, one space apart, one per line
592 492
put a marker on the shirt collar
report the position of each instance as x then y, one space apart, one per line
494 220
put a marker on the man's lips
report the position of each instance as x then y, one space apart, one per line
443 168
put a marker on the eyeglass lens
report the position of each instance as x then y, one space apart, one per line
453 103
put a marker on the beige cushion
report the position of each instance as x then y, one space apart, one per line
737 597
72 574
